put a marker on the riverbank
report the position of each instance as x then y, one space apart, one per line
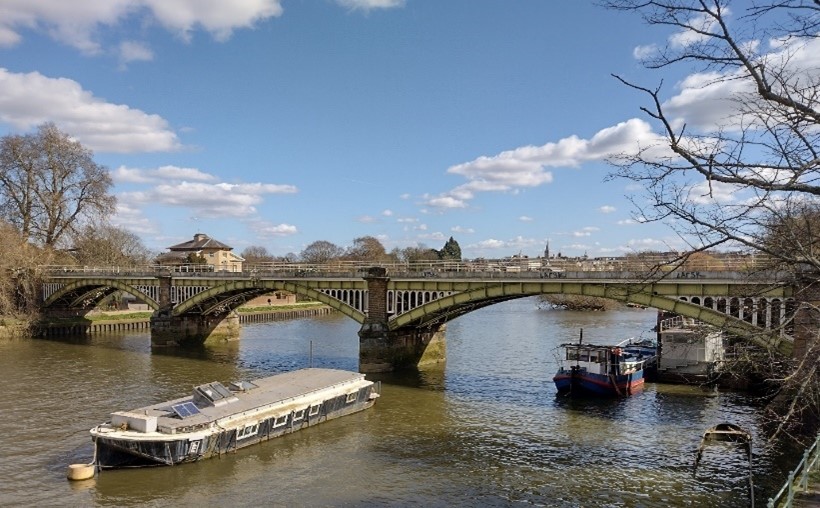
127 320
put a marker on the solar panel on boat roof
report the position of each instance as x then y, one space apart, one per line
185 409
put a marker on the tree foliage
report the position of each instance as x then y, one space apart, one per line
50 184
451 251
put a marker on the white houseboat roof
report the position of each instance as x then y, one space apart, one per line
213 401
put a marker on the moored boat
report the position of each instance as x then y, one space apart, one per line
217 419
608 370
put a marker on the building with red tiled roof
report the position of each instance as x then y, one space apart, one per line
202 251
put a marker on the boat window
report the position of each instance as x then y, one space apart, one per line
247 431
314 410
584 357
593 357
572 355
280 420
351 397
298 415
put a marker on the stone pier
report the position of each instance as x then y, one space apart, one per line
170 330
383 350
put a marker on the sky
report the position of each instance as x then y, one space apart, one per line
278 123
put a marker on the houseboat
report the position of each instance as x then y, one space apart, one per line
219 418
617 370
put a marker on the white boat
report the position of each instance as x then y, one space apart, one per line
217 419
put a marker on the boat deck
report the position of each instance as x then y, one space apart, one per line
268 391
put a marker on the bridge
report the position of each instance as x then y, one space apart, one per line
403 310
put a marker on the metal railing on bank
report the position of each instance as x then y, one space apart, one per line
798 479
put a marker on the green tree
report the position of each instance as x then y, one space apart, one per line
50 185
451 251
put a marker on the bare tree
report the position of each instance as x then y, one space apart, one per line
50 183
321 251
720 179
740 166
254 254
109 245
367 248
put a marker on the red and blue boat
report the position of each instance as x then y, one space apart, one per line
604 370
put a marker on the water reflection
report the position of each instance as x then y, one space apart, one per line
486 428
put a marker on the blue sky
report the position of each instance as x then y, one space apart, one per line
282 122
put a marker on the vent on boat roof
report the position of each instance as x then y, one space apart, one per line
242 386
185 409
213 394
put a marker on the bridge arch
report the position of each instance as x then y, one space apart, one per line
449 307
73 293
232 294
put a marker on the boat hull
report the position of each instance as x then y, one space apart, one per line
585 383
207 432
113 453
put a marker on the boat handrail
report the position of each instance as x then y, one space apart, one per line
804 467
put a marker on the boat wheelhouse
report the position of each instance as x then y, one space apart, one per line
219 418
591 369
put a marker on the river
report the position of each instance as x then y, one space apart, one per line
485 430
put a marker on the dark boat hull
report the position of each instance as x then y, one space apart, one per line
115 453
573 382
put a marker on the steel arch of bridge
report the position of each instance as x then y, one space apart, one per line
234 293
94 289
473 296
431 302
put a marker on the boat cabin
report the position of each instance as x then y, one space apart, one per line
603 360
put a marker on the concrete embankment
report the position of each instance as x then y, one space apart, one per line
55 329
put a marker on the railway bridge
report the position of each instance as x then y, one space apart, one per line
403 312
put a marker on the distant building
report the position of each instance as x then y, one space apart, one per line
188 255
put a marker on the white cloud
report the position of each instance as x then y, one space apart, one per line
704 193
525 218
208 200
401 220
131 218
704 100
387 213
370 4
459 229
131 51
523 167
626 222
366 219
266 229
607 209
161 174
445 202
27 100
77 22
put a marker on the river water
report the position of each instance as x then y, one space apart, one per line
485 430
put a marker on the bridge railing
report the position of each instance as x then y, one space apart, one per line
643 269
